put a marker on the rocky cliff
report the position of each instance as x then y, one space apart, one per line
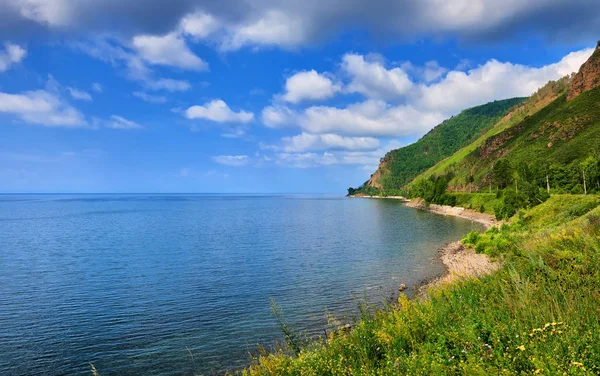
588 76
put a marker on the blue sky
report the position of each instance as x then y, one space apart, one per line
262 96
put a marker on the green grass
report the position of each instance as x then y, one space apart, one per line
557 210
538 314
476 201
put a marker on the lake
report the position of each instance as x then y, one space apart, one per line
181 284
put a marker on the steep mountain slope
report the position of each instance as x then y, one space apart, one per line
588 76
556 147
458 163
400 166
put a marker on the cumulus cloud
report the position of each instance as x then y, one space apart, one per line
149 98
430 72
12 54
371 78
169 49
79 95
271 28
41 107
439 95
279 116
309 85
219 112
119 122
232 160
494 80
199 25
433 71
371 117
306 141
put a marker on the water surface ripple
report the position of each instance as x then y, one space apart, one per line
135 283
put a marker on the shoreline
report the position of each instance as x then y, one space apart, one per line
487 220
459 262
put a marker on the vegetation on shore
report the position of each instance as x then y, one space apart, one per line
537 315
538 169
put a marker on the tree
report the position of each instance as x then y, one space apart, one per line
502 173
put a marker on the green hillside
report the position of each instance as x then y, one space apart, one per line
400 166
556 146
533 104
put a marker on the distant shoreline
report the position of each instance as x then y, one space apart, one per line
459 262
487 220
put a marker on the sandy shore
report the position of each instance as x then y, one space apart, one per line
460 263
487 220
382 197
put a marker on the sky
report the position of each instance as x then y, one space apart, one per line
257 96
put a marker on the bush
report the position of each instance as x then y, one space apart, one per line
577 190
471 239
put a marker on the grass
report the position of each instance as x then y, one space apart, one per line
538 314
477 201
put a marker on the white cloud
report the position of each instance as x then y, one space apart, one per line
56 13
329 158
272 28
306 141
218 111
199 25
169 49
372 117
433 71
41 107
309 85
232 160
113 51
493 80
278 116
12 54
372 79
306 160
119 122
149 98
79 95
97 87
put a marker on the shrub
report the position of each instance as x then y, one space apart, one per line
471 239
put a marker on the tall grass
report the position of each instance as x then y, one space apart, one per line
539 314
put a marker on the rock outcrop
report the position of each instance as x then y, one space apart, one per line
588 76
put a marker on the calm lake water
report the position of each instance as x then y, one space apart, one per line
181 284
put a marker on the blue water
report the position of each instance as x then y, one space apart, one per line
181 284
